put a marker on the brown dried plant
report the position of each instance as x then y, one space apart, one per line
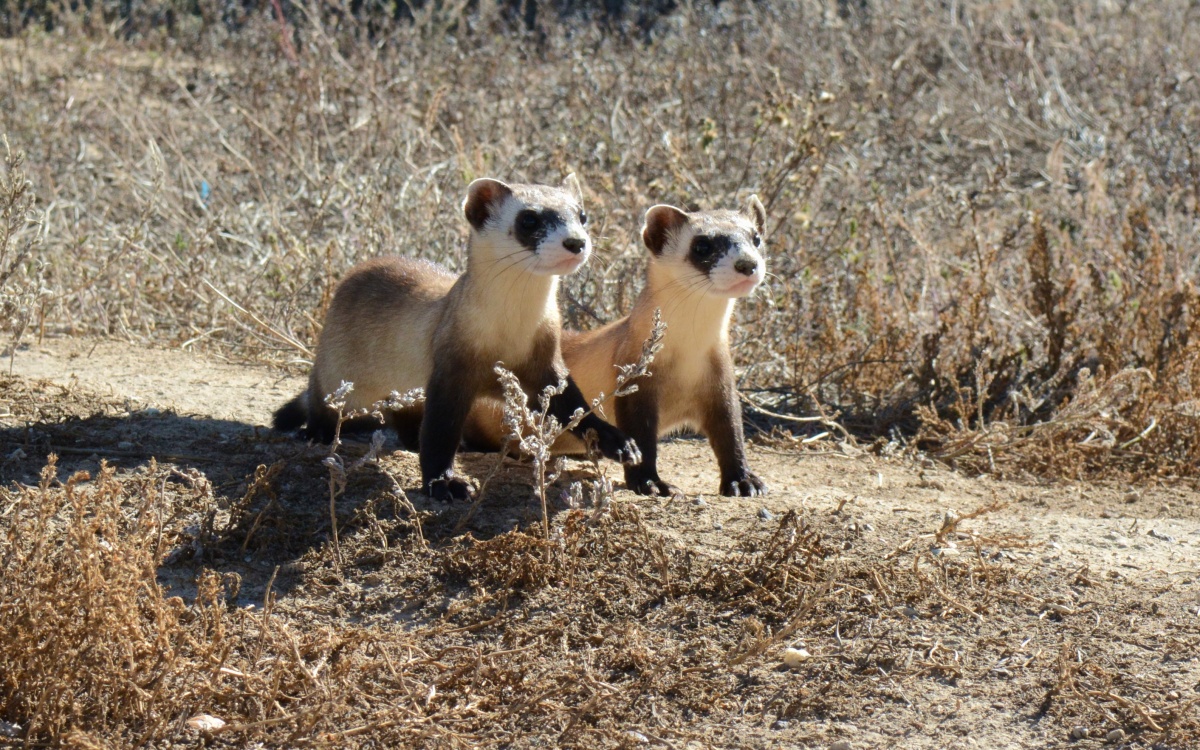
22 270
625 627
338 470
534 432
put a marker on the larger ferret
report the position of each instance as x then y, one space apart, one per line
396 324
700 264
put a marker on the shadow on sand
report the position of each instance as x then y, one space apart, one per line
264 513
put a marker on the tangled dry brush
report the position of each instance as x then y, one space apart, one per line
611 634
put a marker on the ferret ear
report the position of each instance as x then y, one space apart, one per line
571 185
755 211
661 222
483 195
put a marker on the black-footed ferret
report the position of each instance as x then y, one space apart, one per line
700 263
396 324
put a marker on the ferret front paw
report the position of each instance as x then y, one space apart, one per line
617 446
448 487
746 485
648 483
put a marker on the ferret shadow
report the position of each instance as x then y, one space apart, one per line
265 514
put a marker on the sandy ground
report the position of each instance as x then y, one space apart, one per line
1101 573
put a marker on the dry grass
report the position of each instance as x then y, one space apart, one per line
983 241
966 210
608 630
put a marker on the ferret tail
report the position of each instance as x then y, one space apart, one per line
292 415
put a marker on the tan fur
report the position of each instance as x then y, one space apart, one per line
397 324
692 386
697 330
390 313
379 328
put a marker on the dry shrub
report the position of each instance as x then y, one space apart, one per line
89 640
91 647
1105 388
21 286
608 627
776 573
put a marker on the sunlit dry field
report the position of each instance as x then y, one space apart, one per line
983 246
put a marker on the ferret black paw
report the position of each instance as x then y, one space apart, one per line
617 446
317 433
643 484
659 488
748 485
447 488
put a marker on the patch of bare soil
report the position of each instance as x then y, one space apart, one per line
933 610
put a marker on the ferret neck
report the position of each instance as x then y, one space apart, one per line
695 320
512 303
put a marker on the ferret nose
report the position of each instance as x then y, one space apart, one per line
574 245
746 266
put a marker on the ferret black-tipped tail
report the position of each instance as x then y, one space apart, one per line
291 415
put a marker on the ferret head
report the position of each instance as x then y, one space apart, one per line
721 250
536 228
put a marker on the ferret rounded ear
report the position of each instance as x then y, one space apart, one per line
754 209
571 185
482 195
661 221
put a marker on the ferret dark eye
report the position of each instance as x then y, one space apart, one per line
583 217
528 220
757 240
702 247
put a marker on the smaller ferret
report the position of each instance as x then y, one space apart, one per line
396 324
700 264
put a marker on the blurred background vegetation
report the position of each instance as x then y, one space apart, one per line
983 216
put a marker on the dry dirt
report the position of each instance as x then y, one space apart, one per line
1063 605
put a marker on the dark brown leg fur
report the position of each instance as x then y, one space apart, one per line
448 398
322 422
722 423
637 415
546 368
612 442
407 424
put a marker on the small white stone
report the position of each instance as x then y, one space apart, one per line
205 723
841 745
1114 736
794 657
1079 733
